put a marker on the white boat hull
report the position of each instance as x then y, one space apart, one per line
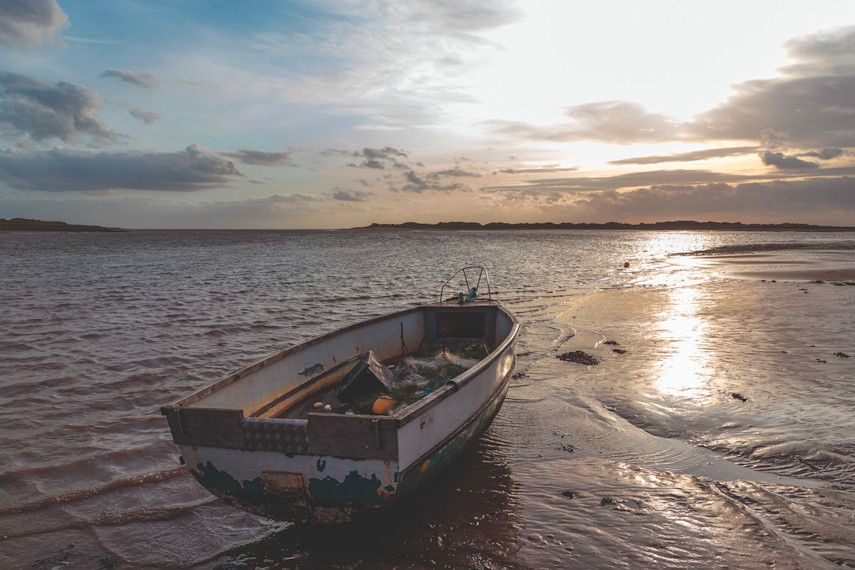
328 466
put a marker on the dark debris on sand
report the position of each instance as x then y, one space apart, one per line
578 357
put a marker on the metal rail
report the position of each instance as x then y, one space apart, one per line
471 290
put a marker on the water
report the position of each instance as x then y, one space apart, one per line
723 435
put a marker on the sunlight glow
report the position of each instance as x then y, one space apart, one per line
683 333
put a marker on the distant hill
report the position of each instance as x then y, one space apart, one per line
657 226
27 225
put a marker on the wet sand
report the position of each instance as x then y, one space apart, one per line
833 261
646 459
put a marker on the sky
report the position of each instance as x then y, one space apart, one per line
335 114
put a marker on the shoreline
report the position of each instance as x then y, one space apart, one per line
683 225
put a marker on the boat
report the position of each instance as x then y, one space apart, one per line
324 430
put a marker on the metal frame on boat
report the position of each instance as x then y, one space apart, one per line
245 439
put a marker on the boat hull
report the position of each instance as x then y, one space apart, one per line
337 466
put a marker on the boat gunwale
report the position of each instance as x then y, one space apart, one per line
245 371
403 416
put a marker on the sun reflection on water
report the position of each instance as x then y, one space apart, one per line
682 334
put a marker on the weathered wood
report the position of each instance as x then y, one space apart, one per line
356 437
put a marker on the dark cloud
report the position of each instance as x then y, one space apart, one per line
807 111
261 157
145 80
372 164
693 156
780 160
458 173
43 110
382 153
431 182
29 24
66 170
146 117
346 195
825 154
378 158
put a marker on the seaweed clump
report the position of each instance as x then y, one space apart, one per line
579 357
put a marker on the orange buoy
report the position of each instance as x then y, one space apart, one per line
625 264
382 405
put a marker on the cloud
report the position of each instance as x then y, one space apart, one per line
145 80
43 110
693 156
378 158
368 164
582 184
805 111
457 172
61 170
776 196
780 160
809 104
825 154
29 24
383 153
619 122
541 170
345 195
261 157
824 53
430 182
146 117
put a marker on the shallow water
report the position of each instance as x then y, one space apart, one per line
722 436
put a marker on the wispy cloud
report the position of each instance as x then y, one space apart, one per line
262 158
693 156
146 117
145 80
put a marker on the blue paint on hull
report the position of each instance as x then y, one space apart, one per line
355 489
213 479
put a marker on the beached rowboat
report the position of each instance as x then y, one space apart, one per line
294 437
